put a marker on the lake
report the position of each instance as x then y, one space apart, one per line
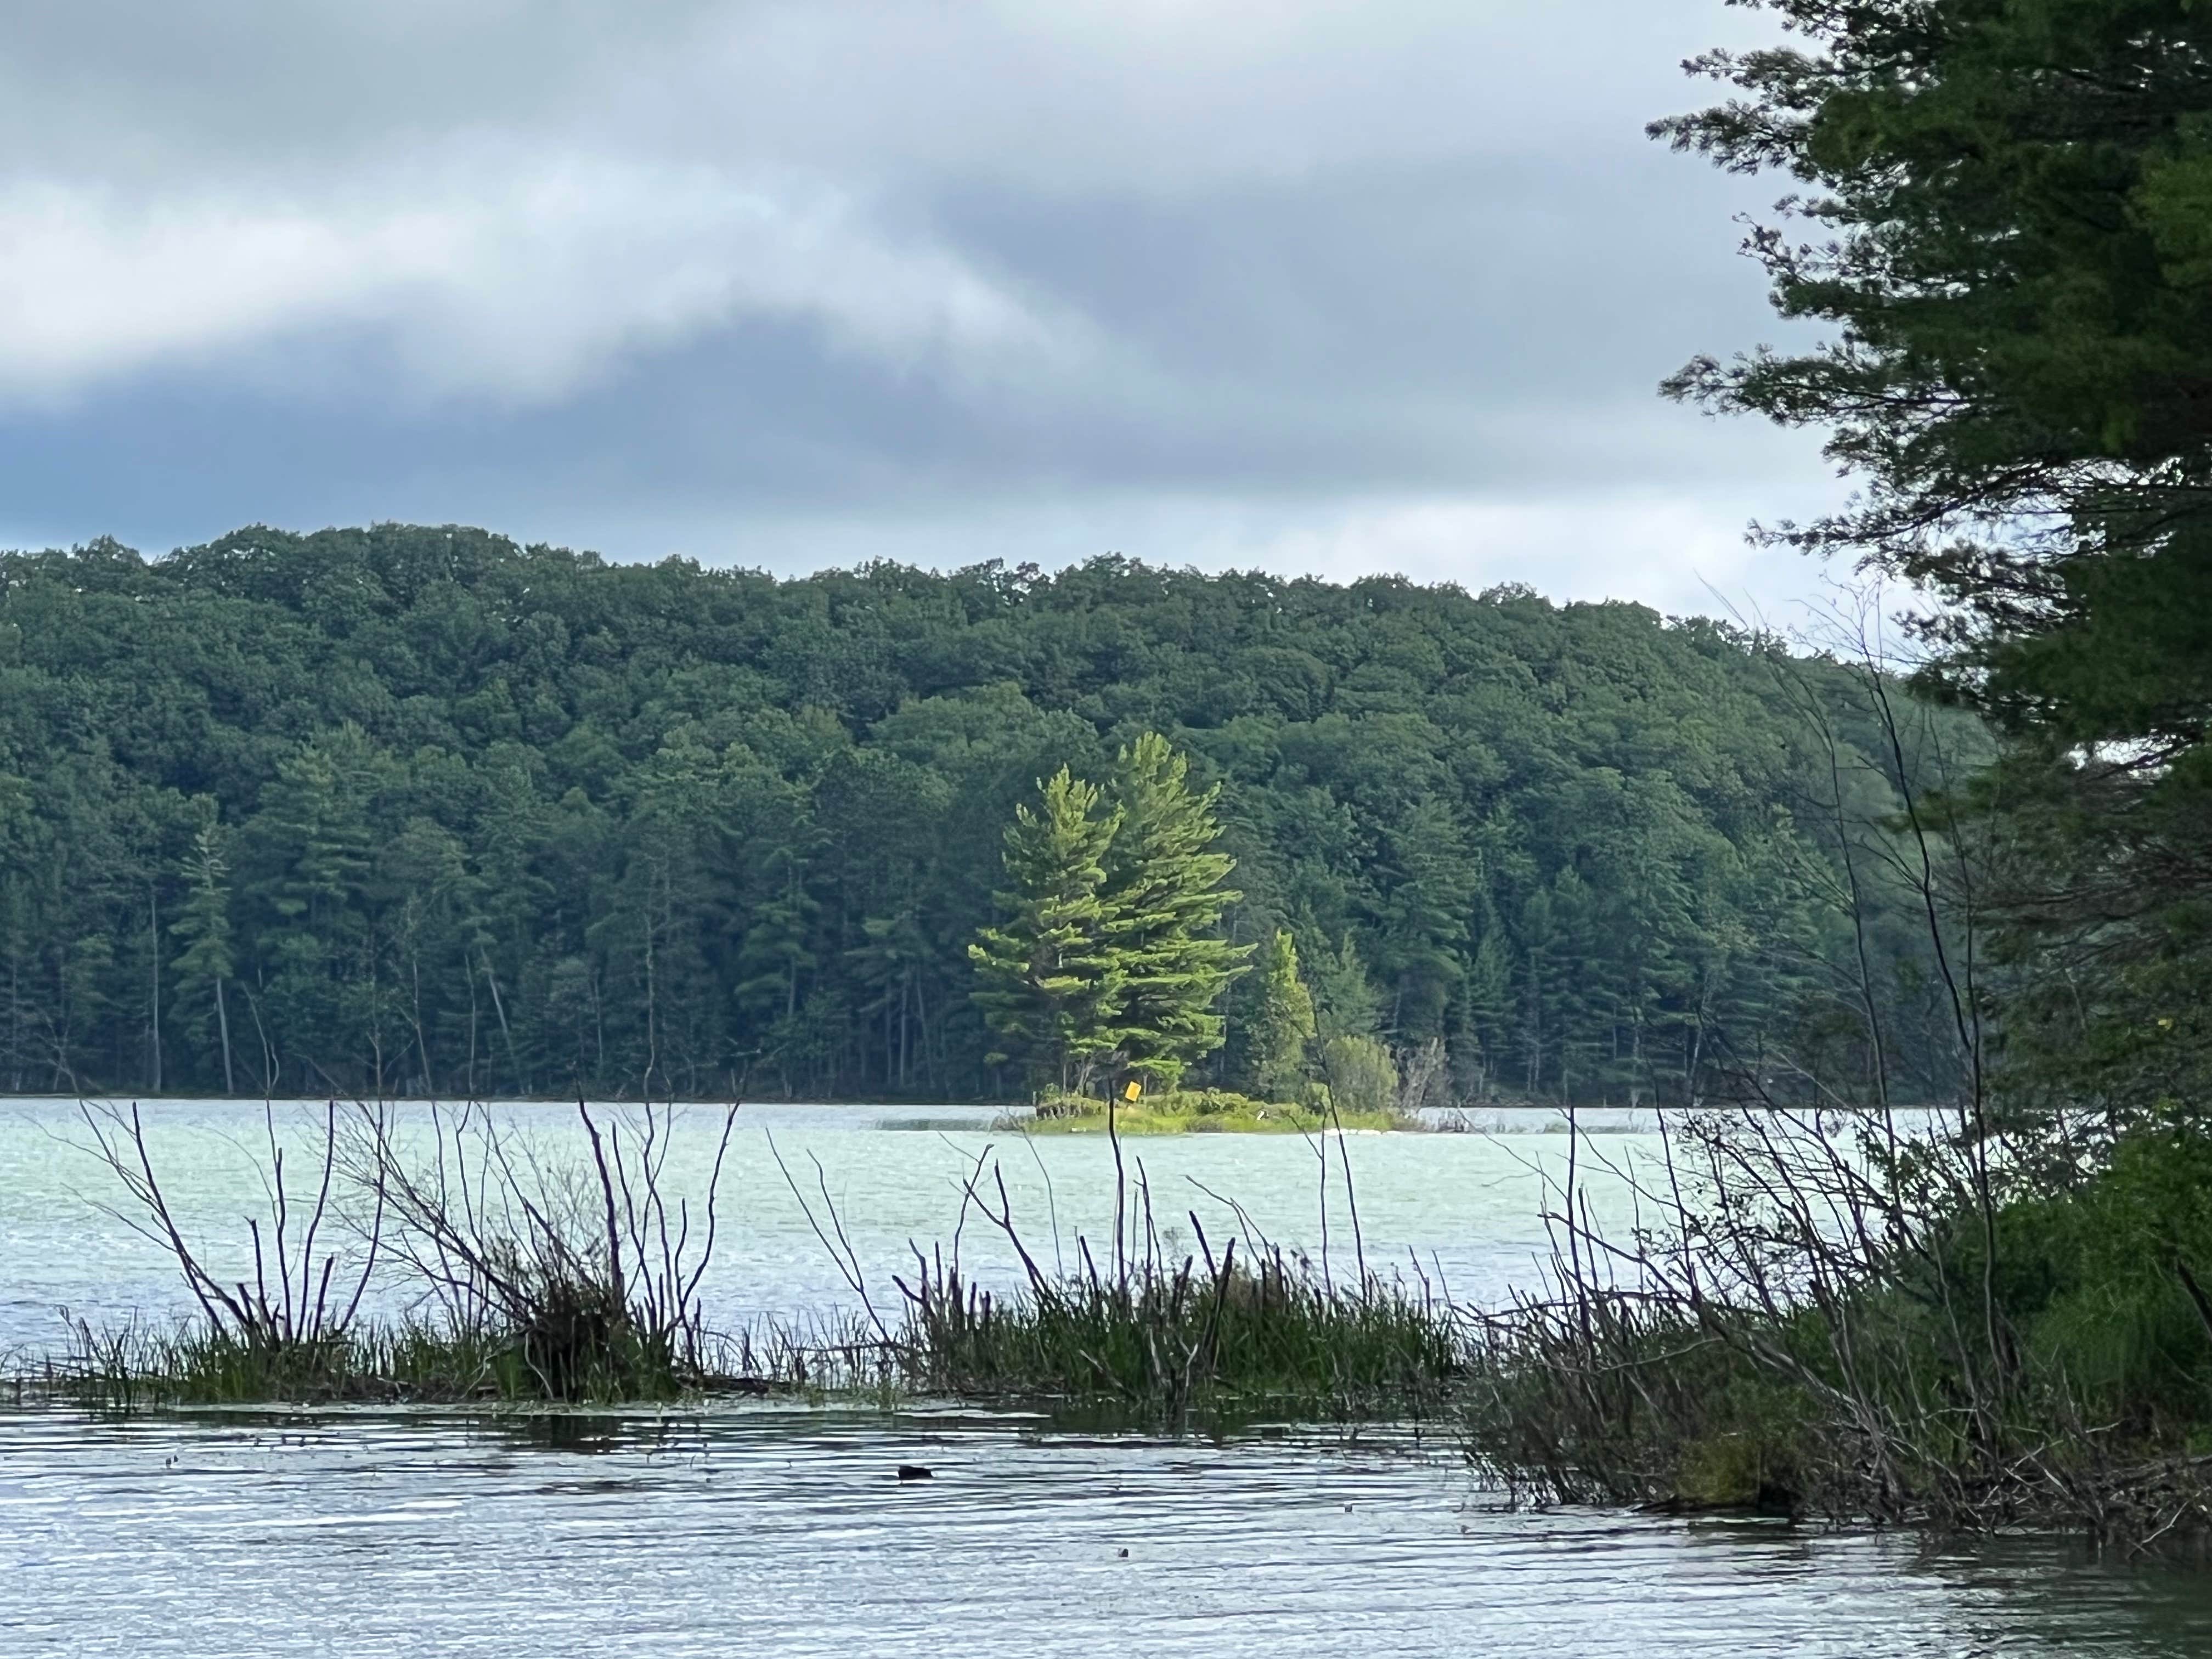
778 1529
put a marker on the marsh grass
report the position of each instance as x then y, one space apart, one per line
532 1278
1162 1341
414 1361
191 1364
1149 1332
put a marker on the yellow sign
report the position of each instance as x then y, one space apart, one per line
1131 1090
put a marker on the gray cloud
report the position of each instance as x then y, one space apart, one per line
1324 285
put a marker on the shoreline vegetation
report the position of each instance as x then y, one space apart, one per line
1837 1319
540 1285
1807 1321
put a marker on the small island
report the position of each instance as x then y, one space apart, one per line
1105 972
1201 1111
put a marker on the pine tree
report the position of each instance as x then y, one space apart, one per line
1284 1024
1052 982
1163 880
1423 916
1485 1039
1345 1002
314 844
206 960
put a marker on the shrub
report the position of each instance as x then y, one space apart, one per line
1363 1079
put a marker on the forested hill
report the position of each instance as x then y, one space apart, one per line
419 809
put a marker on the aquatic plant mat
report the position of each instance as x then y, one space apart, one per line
1196 1349
377 1363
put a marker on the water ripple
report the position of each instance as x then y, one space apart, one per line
784 1531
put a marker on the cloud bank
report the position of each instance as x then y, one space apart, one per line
1319 286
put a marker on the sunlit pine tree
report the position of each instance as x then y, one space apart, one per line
1165 879
1052 981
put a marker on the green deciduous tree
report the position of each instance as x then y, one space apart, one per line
1362 1076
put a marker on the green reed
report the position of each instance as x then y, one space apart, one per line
1159 1340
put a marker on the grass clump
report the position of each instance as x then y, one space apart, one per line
1161 1341
407 1361
1144 1331
193 1364
1246 1333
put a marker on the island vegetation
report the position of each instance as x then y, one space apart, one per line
1201 1111
1107 968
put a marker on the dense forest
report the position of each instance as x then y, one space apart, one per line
418 810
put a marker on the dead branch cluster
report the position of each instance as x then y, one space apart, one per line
1807 1316
583 1277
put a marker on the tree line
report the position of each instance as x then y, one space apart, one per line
417 810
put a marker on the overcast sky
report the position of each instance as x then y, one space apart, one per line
1309 285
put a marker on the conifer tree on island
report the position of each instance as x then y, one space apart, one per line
1052 984
1164 882
1105 957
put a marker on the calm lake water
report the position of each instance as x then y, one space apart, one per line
1465 1206
785 1531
